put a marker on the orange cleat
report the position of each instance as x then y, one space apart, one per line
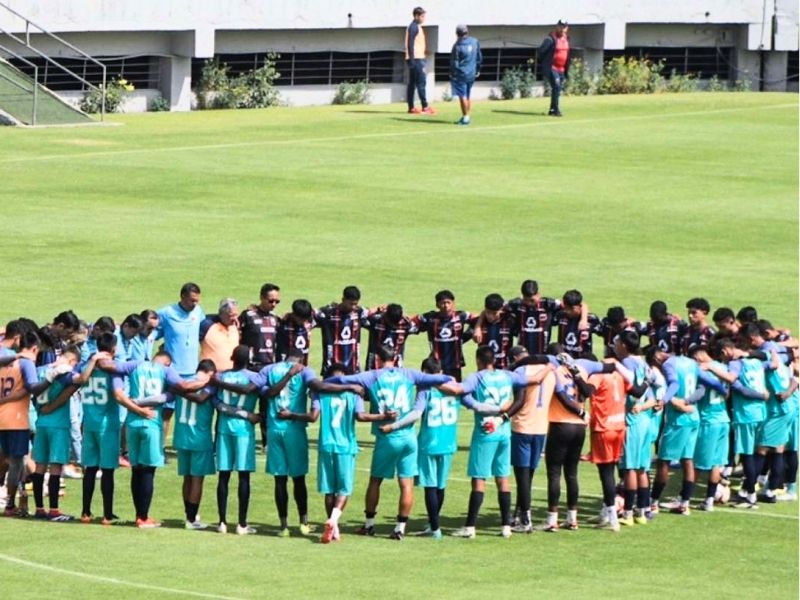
327 535
429 111
414 111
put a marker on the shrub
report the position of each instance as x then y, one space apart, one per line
509 84
352 92
493 95
681 83
114 92
527 79
716 85
581 80
742 85
623 75
159 104
252 89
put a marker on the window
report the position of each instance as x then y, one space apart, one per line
141 71
495 62
791 66
704 62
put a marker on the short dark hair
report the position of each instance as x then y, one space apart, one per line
67 319
630 339
385 353
658 310
530 287
699 304
295 354
29 339
267 288
207 366
444 295
572 298
723 314
351 292
302 309
484 355
240 356
493 302
431 365
554 349
14 327
106 342
162 352
723 344
763 325
615 315
747 314
133 320
650 353
105 324
750 330
393 314
189 288
147 313
336 368
73 349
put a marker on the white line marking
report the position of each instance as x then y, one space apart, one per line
111 580
385 134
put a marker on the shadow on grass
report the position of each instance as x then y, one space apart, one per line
522 113
422 120
373 112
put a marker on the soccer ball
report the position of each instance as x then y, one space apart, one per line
723 494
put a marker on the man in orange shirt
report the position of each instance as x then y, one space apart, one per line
18 382
219 335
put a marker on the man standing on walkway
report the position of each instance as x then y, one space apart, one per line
465 66
553 55
415 59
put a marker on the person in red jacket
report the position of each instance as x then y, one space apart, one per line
554 58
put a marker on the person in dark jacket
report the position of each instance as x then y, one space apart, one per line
465 66
554 57
416 50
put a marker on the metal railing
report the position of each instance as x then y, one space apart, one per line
26 43
35 86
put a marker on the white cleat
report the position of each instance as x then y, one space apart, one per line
246 530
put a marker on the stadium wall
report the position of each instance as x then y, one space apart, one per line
168 39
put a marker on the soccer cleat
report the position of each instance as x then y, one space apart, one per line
427 532
284 533
569 526
600 520
744 503
414 111
245 530
676 503
627 521
86 519
397 535
682 509
364 530
327 534
222 528
108 522
147 523
428 110
706 506
72 473
59 517
609 526
641 520
767 499
653 509
505 532
555 113
787 497
305 529
461 121
196 525
41 515
437 535
522 528
465 532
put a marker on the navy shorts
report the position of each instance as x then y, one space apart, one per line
526 449
461 89
15 443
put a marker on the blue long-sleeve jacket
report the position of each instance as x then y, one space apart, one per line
465 59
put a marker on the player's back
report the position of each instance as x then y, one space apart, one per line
14 415
392 390
608 402
438 433
147 379
686 375
100 410
751 374
231 425
337 430
58 418
557 412
711 406
493 387
533 417
193 424
293 396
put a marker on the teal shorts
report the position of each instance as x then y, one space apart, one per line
236 452
100 449
434 469
394 454
655 426
791 442
713 441
636 452
746 436
335 473
489 458
51 445
144 447
678 443
287 452
775 431
195 463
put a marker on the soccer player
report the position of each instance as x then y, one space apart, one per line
415 48
294 330
665 330
495 327
144 425
636 455
490 447
337 445
259 326
446 328
391 389
529 424
55 336
575 331
179 325
219 335
698 332
18 382
51 443
237 394
614 323
748 393
713 437
389 327
142 345
341 330
465 67
194 442
681 422
726 323
126 334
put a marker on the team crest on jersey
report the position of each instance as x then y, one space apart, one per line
445 333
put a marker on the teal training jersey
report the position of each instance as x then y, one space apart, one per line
438 433
392 390
337 421
193 423
491 387
751 374
639 369
149 379
100 409
684 372
293 397
777 381
231 425
711 406
59 418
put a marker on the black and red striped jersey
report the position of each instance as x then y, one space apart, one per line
383 333
533 322
446 335
575 340
341 335
667 334
259 332
294 335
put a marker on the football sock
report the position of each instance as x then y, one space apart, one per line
522 476
89 479
440 494
790 461
401 524
552 518
764 470
147 476
750 472
686 490
758 464
643 498
776 471
475 501
222 495
370 520
630 498
711 492
53 486
335 514
432 507
135 491
572 516
301 498
504 500
37 479
609 485
107 489
658 487
244 496
282 499
191 511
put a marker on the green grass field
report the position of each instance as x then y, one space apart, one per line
628 199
